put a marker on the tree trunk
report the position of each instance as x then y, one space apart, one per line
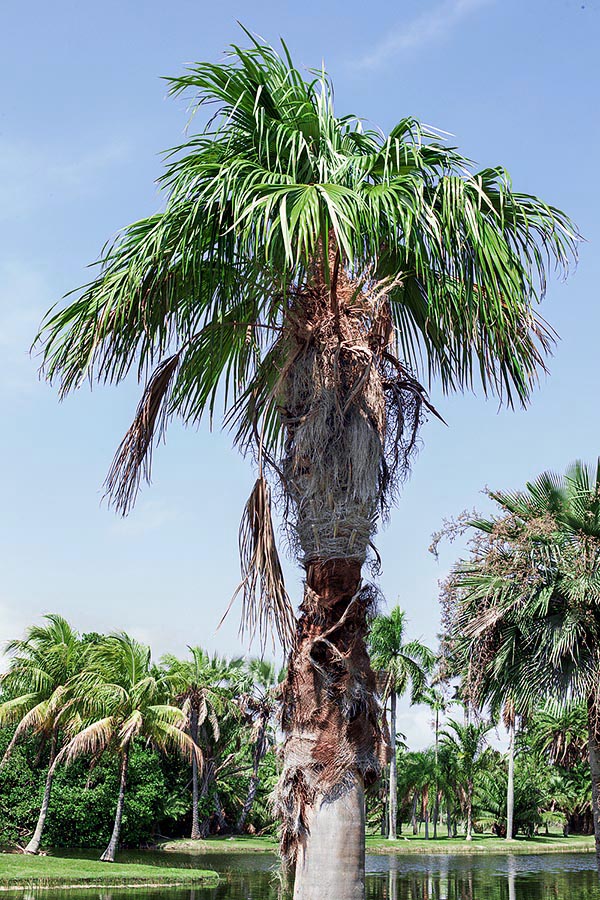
470 811
393 803
259 752
594 754
34 844
413 817
510 791
331 861
333 743
195 832
113 845
436 807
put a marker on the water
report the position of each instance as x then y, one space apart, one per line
253 876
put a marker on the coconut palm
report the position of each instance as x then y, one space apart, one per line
258 705
401 665
528 601
120 697
466 743
301 270
200 686
35 683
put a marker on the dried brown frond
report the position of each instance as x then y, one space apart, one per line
266 606
134 456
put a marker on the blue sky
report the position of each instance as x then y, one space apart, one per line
83 120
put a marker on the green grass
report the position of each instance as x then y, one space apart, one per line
552 843
239 844
482 843
53 871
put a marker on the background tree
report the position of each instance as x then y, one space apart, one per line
199 686
402 665
467 743
121 699
35 684
527 602
258 706
303 268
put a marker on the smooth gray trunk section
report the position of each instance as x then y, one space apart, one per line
111 851
331 860
393 770
510 791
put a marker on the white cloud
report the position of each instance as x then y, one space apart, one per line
430 26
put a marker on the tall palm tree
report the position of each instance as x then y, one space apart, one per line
119 698
200 686
402 665
467 743
258 705
301 271
527 614
35 684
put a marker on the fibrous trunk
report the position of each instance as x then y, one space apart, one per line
510 790
195 832
344 403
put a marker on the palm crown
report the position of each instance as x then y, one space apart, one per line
200 294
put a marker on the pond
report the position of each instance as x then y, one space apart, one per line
253 876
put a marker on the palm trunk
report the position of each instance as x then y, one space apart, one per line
34 844
259 752
436 808
331 861
594 754
113 845
510 791
195 832
333 741
393 771
470 811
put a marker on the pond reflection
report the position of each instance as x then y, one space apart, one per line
255 876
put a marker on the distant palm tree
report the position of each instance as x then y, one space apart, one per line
527 602
304 270
35 683
402 665
258 705
200 687
466 742
119 697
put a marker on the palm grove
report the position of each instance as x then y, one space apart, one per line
303 271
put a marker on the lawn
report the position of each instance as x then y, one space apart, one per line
482 843
552 843
17 870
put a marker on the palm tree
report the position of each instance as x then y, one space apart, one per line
200 687
401 665
35 683
527 602
119 698
300 271
258 706
466 742
438 703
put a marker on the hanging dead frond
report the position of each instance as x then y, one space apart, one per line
265 602
134 456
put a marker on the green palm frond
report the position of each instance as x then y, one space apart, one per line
194 298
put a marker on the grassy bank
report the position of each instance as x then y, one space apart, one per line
486 843
52 871
482 843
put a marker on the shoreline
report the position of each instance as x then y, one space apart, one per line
487 844
19 872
